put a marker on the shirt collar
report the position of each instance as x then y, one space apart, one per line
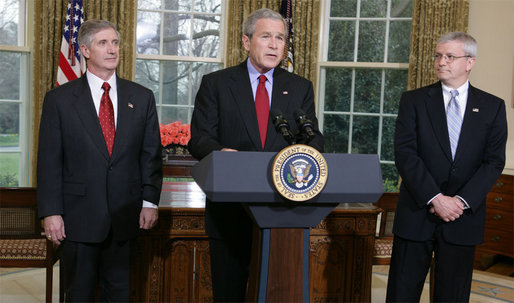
462 89
96 82
254 74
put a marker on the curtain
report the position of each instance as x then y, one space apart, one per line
48 24
432 19
306 14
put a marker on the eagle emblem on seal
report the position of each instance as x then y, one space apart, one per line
299 170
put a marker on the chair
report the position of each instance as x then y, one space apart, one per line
22 241
384 240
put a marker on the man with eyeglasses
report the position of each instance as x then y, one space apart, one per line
449 150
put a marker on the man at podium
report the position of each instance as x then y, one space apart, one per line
232 113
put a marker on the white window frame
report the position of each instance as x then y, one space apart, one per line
323 63
220 59
23 48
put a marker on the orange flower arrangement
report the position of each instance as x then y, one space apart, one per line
175 134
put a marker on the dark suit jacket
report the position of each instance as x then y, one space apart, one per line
423 159
225 117
76 177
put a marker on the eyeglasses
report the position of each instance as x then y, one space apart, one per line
448 58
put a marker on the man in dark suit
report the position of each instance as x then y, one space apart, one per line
99 169
450 149
226 117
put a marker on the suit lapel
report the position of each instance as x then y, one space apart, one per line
126 109
435 108
242 91
279 101
83 103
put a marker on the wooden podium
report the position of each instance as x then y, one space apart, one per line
283 256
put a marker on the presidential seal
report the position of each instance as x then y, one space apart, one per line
299 172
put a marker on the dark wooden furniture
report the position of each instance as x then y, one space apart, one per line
22 243
384 241
499 226
178 166
171 262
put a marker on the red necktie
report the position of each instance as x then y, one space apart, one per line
106 117
262 108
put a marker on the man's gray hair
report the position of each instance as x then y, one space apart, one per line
470 46
264 13
91 27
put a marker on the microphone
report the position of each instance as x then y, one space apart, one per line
282 126
305 124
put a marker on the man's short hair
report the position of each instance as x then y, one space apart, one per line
470 46
264 13
91 27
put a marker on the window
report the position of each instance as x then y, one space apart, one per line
14 97
363 71
178 41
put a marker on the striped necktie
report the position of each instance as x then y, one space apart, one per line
454 121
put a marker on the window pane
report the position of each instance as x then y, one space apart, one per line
10 75
200 69
387 148
148 32
371 41
343 8
373 8
367 90
338 89
341 41
206 36
395 85
402 8
211 6
365 135
9 125
175 84
147 74
177 28
149 4
9 21
172 114
9 141
9 163
335 132
390 177
178 5
399 41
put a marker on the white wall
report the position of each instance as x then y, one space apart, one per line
491 23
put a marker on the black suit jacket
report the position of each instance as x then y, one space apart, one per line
423 159
225 117
76 177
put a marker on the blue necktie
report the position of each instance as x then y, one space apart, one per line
454 121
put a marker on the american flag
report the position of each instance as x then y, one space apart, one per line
71 63
286 10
